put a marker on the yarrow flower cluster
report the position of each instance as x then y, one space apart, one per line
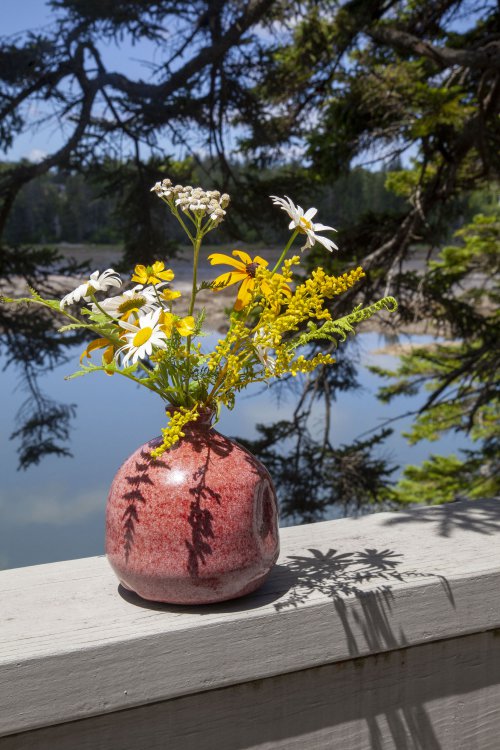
201 202
272 328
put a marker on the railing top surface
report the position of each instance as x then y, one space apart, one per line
342 589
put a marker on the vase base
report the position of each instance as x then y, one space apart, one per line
198 594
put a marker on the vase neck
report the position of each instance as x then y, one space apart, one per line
203 422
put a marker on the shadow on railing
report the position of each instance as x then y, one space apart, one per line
343 575
445 519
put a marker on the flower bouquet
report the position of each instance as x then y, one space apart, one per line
138 334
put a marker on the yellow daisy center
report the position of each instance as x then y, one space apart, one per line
305 222
135 303
142 336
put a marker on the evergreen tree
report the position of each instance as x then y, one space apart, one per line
460 376
418 82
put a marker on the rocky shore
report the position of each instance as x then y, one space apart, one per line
215 303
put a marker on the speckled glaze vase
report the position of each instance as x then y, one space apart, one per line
197 526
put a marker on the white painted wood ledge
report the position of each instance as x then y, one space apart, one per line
381 631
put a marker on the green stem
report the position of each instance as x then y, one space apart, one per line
136 380
144 367
158 297
68 315
96 303
222 374
196 248
283 254
182 223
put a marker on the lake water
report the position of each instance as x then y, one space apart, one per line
55 511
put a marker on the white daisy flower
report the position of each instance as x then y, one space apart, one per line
96 283
303 222
142 337
139 301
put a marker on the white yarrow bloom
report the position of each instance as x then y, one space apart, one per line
142 337
200 202
303 222
96 283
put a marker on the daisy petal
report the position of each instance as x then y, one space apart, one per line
323 228
326 243
127 326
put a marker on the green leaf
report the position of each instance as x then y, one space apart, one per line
74 326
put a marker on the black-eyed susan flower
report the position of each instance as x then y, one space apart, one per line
155 274
101 343
244 274
303 222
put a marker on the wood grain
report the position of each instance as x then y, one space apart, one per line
438 696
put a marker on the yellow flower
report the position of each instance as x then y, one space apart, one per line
244 273
184 326
174 431
152 274
108 354
99 344
170 294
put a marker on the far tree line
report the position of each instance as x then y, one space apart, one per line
78 207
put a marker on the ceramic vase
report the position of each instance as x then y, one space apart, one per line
196 526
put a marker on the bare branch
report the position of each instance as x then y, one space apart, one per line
482 58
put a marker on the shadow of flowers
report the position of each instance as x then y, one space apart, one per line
341 575
135 497
336 574
200 517
464 515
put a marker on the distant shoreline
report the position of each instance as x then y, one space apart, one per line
215 303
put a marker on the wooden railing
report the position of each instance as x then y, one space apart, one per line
378 632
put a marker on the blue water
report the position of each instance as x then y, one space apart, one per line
55 511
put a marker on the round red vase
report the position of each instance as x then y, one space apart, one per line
197 526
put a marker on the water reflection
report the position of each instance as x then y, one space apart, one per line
55 511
